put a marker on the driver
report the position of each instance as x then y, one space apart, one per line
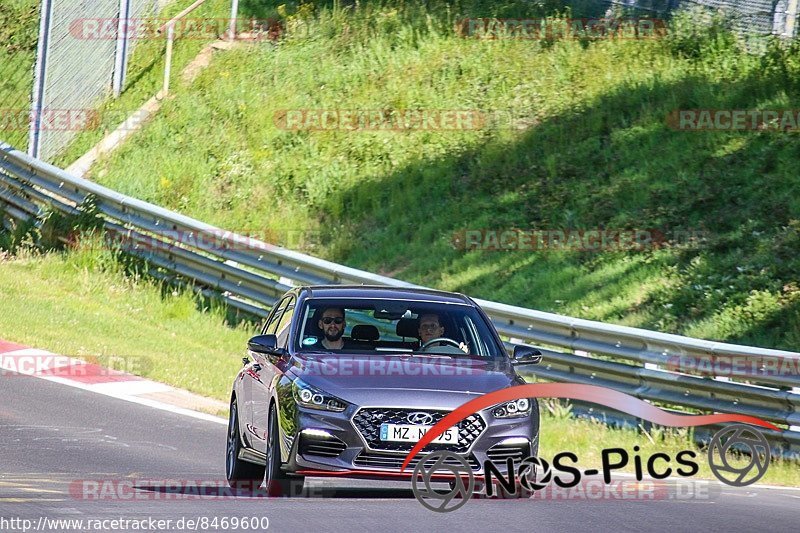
332 324
430 327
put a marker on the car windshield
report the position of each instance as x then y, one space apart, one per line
386 327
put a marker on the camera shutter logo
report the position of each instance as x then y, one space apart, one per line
528 473
738 439
448 463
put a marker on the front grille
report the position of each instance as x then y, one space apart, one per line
499 453
369 459
368 422
321 446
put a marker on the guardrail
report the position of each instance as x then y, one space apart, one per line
250 275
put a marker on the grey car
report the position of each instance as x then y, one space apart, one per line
344 380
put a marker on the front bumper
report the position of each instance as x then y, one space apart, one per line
324 443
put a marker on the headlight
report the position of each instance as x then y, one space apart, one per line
307 396
514 409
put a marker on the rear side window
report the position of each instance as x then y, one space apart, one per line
282 330
272 322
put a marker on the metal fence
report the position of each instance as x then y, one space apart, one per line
250 275
57 59
749 17
19 30
82 57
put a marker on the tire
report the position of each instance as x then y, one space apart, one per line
278 483
240 474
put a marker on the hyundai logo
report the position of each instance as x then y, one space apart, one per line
420 418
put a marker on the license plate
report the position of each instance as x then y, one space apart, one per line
413 433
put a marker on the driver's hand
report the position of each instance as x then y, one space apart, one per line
464 347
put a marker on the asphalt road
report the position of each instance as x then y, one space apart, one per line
70 454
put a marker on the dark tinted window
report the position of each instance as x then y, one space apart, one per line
384 327
272 320
282 330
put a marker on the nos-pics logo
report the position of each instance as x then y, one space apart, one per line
738 455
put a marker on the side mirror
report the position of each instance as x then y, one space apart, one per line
526 355
264 344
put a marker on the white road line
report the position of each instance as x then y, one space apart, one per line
28 351
141 401
130 388
122 390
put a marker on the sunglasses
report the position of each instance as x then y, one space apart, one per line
336 320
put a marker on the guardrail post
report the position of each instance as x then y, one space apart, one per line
168 63
791 19
232 26
121 53
37 98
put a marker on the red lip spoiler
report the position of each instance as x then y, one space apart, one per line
376 474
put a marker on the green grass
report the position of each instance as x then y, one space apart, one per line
83 304
597 152
145 77
19 27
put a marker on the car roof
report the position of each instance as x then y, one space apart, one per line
381 291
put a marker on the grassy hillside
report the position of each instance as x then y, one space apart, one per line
595 151
145 76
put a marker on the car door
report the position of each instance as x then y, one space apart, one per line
267 372
252 377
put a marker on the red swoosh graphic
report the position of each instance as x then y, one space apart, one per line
589 393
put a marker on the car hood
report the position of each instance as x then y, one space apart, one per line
432 382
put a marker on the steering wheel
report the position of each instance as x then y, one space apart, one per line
440 339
